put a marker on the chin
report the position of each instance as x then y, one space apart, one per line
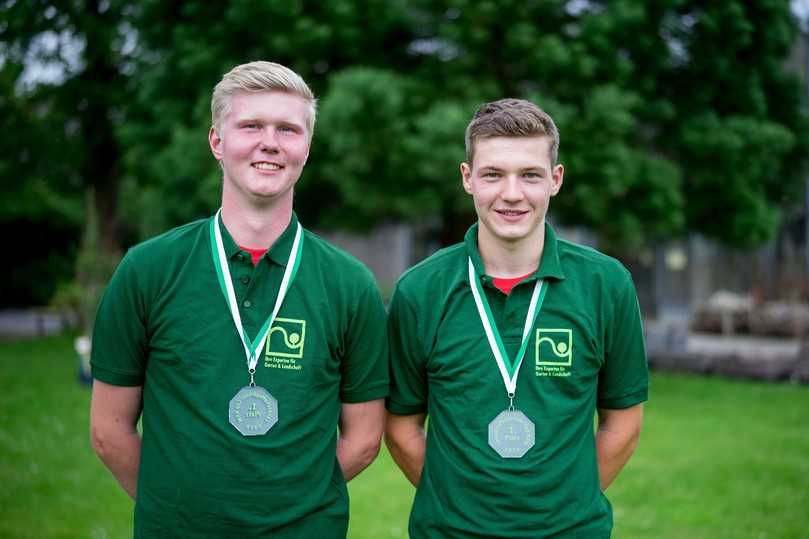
269 195
513 232
518 235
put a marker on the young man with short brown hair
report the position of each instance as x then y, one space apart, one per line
511 341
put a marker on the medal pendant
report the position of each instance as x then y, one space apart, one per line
253 411
511 434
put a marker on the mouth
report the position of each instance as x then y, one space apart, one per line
512 213
266 165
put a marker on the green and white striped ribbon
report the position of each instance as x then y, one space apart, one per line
251 347
509 369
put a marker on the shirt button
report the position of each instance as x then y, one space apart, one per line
245 279
240 257
247 303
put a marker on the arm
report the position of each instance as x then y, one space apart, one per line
405 438
361 427
616 439
114 414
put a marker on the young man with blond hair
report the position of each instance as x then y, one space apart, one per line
243 341
511 341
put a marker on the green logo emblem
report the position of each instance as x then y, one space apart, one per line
286 338
554 347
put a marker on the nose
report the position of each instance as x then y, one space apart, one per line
268 142
512 190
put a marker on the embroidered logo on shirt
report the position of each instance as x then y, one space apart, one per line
554 352
285 344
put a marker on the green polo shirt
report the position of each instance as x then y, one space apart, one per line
585 351
164 324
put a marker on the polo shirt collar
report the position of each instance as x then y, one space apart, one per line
549 265
278 252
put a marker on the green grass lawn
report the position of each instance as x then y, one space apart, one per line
718 459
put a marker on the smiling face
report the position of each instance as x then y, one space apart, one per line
262 145
512 180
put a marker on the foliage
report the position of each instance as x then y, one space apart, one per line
39 223
735 468
668 125
389 132
636 81
676 116
66 121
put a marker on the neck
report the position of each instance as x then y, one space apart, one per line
510 259
255 227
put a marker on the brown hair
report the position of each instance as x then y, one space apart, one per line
510 118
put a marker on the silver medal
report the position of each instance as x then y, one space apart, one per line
511 434
253 411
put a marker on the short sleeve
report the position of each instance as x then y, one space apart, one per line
119 335
408 390
364 366
624 377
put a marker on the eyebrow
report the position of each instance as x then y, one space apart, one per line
494 168
276 121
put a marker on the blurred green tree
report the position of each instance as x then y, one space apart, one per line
675 115
40 226
65 85
184 48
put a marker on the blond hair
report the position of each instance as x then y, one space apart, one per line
510 118
260 76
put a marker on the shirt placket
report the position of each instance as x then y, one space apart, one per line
245 277
514 311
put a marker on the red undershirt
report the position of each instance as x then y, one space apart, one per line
506 284
255 254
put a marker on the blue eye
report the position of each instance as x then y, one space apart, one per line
288 129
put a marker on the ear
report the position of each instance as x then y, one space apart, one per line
308 149
215 142
466 177
557 177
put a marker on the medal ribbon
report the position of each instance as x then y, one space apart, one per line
509 369
251 347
